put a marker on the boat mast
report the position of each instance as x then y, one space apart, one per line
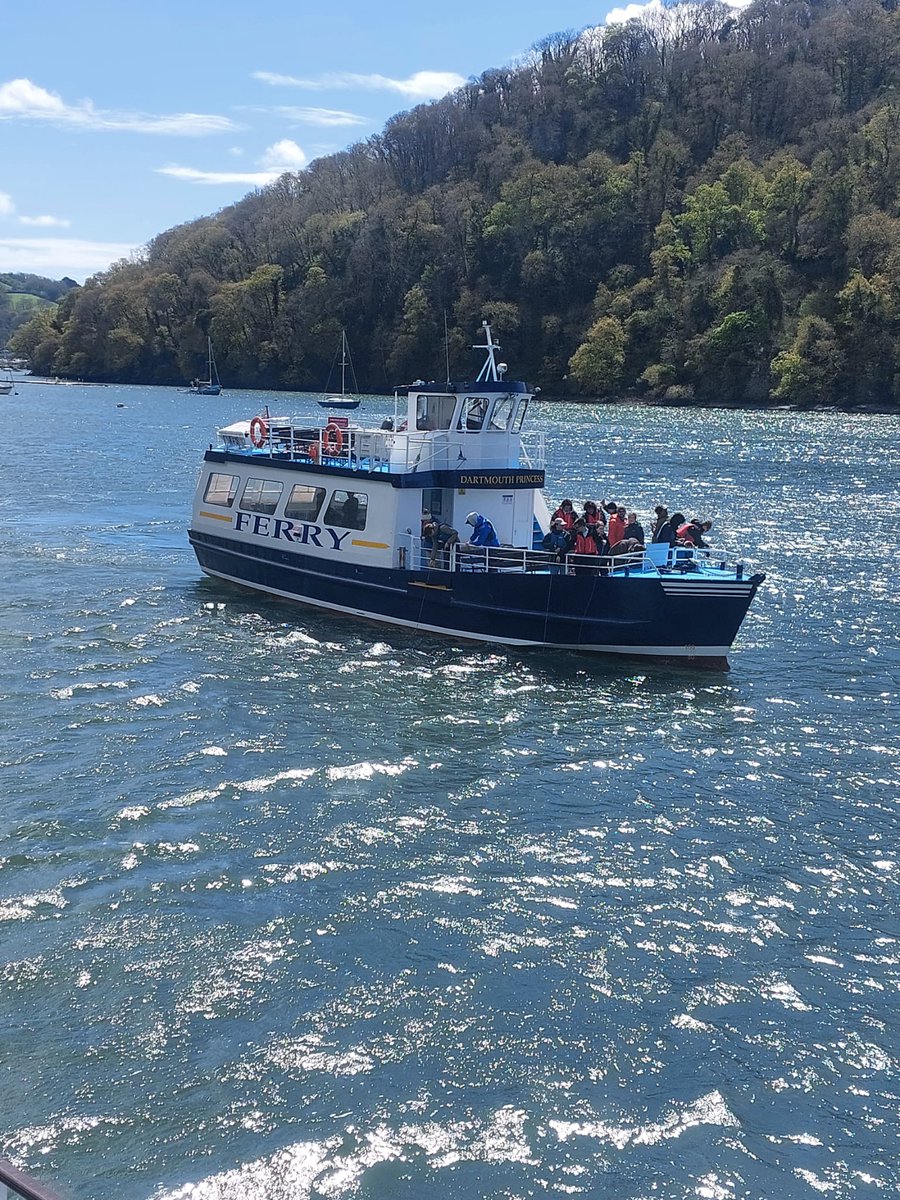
343 362
489 372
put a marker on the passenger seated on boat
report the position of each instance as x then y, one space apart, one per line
350 511
442 536
347 510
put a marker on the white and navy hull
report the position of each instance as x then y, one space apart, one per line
689 617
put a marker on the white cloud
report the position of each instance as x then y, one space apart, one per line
283 156
55 257
7 207
280 157
193 175
422 85
20 99
46 222
318 116
630 12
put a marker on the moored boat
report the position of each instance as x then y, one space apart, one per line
209 386
332 516
345 400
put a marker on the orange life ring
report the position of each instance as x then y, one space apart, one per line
332 439
259 431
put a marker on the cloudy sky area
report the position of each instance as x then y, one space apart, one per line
119 121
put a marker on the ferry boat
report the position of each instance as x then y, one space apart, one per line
332 516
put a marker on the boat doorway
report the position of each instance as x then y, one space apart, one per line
437 505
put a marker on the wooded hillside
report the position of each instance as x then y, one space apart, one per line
701 205
22 295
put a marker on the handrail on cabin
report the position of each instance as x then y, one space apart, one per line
22 1186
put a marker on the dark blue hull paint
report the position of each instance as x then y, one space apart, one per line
612 613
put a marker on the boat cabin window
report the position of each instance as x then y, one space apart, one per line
502 414
473 412
304 502
221 489
434 412
347 510
520 417
261 495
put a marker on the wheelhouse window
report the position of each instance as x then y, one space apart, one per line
347 510
503 410
261 495
434 412
221 489
304 502
520 416
473 412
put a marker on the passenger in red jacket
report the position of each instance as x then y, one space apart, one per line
583 540
616 529
566 513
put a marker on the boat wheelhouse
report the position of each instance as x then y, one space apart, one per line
332 516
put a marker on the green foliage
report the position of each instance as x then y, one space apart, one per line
597 363
703 203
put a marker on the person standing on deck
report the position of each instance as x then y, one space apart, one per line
556 542
616 529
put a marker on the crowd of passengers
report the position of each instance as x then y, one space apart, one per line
606 529
609 529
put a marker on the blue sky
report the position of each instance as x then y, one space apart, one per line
119 119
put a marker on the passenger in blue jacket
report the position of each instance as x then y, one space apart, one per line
482 531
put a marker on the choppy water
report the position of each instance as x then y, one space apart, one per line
297 907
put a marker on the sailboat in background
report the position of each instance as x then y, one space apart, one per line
209 386
345 400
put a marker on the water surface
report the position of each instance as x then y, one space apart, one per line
295 906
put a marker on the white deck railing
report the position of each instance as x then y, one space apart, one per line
419 555
388 450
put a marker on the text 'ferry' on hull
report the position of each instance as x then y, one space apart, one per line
333 517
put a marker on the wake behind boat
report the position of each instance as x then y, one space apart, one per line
209 386
345 400
333 517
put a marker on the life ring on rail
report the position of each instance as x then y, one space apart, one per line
259 431
332 439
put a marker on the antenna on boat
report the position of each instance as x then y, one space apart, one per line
446 346
489 372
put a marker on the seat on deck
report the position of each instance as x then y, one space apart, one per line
658 553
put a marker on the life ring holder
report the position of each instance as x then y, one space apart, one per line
332 439
259 432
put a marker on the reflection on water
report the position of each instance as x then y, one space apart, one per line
296 906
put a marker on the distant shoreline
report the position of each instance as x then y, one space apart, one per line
761 406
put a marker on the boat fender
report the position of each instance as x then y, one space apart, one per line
259 432
333 439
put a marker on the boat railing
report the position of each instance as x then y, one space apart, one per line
421 555
533 449
16 1185
357 449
